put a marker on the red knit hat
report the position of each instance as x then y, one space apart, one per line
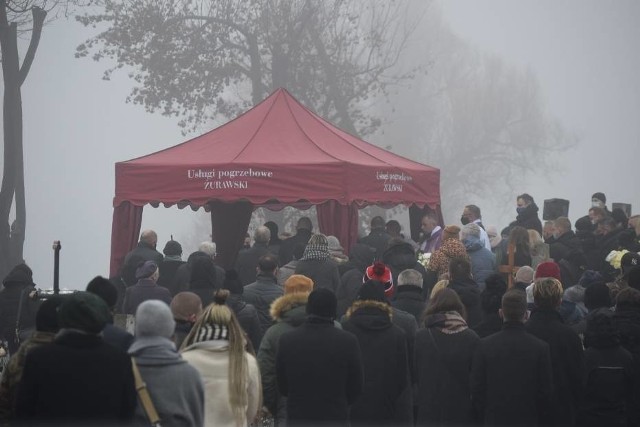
380 272
548 269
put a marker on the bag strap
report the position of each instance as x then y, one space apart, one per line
143 394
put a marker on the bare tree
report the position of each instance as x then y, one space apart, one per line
206 59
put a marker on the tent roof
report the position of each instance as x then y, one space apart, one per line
278 150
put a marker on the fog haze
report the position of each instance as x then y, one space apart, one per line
76 126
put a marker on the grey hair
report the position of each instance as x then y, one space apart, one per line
262 234
410 277
208 248
470 229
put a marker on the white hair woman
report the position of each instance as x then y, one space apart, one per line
216 347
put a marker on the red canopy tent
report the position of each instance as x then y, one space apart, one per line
278 153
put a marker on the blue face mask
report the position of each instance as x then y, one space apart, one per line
520 209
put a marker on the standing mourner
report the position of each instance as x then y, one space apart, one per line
216 347
147 274
16 301
319 367
527 213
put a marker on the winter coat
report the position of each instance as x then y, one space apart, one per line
409 298
168 269
182 277
287 246
142 252
443 357
528 219
289 312
402 257
491 323
565 246
384 356
247 262
451 248
175 387
9 305
286 271
117 337
567 361
12 373
142 291
247 317
608 381
469 294
483 261
511 379
360 258
101 391
261 294
377 239
627 323
211 359
324 273
319 369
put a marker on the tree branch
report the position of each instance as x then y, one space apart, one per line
39 16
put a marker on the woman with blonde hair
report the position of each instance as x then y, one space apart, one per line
216 348
442 284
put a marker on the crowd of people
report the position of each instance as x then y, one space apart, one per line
536 325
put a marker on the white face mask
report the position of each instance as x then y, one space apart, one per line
597 204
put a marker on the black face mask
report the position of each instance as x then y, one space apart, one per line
464 220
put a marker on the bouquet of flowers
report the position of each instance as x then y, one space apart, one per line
615 257
423 258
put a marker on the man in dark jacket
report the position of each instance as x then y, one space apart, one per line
527 214
145 251
409 293
247 260
384 355
186 307
302 236
146 288
264 290
319 367
111 334
400 256
467 289
377 237
567 358
504 362
246 313
360 257
170 263
78 379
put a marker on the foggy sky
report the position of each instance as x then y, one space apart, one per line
584 53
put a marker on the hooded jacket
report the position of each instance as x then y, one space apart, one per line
483 261
175 387
261 294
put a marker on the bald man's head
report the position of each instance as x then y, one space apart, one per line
149 237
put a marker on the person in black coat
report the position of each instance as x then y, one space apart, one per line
443 354
264 291
17 297
204 280
144 251
384 355
377 237
169 266
527 214
490 301
511 374
467 289
246 313
77 379
111 334
317 265
409 294
360 257
608 376
247 260
319 367
186 307
146 288
302 236
567 358
401 256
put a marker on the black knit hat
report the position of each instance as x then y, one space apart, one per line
600 196
104 289
172 248
322 303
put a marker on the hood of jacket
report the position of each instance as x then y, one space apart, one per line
156 351
400 256
361 256
369 314
290 308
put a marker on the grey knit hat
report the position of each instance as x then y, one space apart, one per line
154 318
